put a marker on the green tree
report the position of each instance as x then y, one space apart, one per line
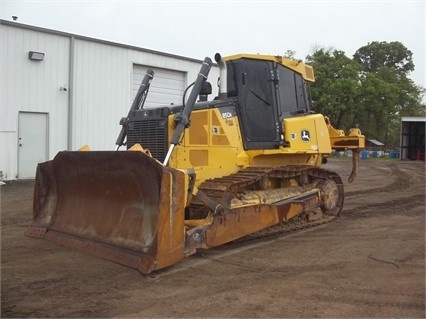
376 109
376 55
388 92
290 54
336 89
373 89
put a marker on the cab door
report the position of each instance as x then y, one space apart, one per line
257 104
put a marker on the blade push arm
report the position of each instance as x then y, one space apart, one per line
182 119
137 104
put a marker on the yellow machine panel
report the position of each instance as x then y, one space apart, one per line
211 145
307 134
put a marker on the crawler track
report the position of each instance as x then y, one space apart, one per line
285 227
223 190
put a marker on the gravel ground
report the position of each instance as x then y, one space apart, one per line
370 263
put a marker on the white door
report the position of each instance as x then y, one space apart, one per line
167 86
32 142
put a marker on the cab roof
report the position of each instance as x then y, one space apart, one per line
298 66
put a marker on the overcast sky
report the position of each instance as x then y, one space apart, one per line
201 28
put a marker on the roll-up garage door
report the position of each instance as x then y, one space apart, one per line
167 86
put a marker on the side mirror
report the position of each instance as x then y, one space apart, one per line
206 89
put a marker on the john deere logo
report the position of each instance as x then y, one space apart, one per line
306 136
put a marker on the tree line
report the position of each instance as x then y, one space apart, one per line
371 89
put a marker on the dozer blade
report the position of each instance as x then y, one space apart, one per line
122 206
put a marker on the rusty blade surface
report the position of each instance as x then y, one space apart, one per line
105 203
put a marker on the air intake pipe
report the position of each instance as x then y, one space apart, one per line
223 84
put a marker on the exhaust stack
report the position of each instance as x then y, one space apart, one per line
223 85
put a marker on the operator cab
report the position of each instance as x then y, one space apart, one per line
266 92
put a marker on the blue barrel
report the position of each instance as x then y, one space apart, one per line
364 154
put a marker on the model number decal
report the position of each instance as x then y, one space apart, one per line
226 115
227 112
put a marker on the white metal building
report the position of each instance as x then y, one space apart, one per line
60 91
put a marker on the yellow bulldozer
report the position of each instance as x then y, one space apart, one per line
201 174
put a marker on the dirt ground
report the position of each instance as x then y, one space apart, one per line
370 263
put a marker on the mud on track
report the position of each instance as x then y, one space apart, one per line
369 263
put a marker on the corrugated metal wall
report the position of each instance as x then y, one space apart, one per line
167 86
100 82
31 86
98 76
103 92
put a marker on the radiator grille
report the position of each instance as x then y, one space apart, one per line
151 134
